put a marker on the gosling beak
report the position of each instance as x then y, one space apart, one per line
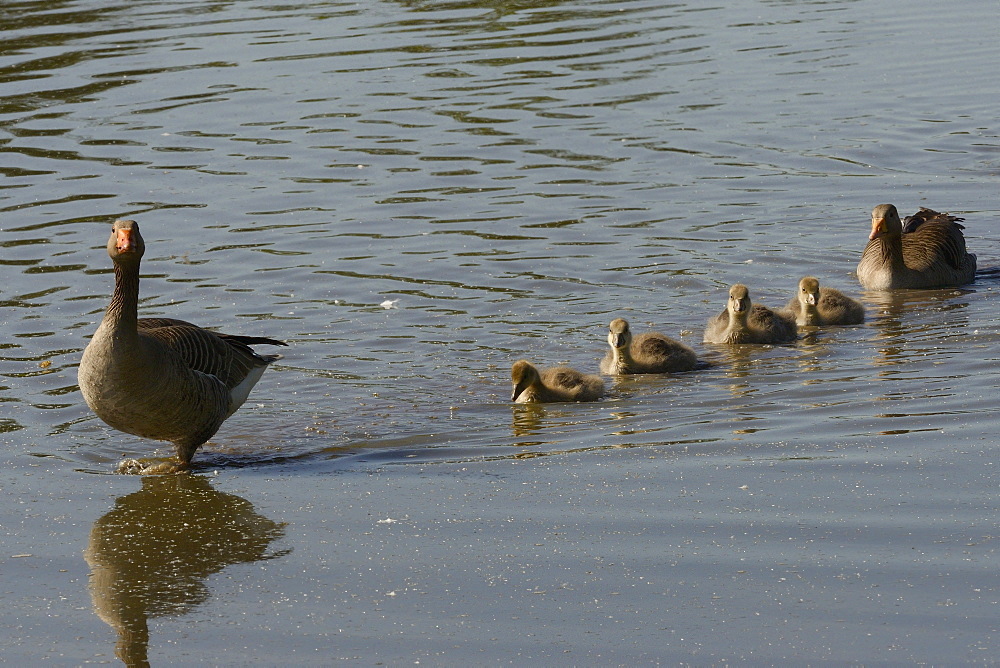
811 299
518 389
617 340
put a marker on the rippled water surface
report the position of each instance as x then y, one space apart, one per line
415 194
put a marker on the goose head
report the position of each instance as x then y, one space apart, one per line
885 220
126 245
522 376
809 291
619 334
739 301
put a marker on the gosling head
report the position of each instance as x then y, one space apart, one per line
739 300
809 291
126 243
522 376
619 334
885 220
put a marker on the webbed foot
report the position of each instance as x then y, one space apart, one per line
151 466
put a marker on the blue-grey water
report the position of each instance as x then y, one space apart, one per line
416 194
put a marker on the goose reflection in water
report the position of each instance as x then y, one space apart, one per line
150 554
902 334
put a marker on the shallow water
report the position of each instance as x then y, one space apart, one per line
414 195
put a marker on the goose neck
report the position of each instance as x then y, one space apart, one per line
124 307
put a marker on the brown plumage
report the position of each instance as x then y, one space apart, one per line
745 322
931 254
559 383
650 352
814 305
163 378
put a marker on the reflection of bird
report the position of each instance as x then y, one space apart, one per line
930 254
814 305
151 554
162 378
650 352
559 383
745 322
527 421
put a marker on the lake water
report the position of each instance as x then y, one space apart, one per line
416 194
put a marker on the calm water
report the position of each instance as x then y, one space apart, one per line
414 195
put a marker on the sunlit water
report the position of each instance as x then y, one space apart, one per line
416 194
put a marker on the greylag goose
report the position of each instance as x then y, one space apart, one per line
930 255
650 352
814 305
559 383
745 322
163 378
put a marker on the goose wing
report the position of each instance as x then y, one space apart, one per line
227 357
935 241
925 215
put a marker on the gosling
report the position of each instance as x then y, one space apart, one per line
650 352
745 322
815 306
559 383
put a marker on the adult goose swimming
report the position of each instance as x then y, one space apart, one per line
745 322
559 383
931 254
162 378
649 352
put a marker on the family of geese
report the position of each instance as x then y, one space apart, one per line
170 380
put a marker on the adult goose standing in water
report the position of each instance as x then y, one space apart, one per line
931 254
745 322
815 306
162 378
650 352
560 383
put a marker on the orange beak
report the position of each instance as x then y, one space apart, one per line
124 242
878 228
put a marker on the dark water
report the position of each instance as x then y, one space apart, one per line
416 194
